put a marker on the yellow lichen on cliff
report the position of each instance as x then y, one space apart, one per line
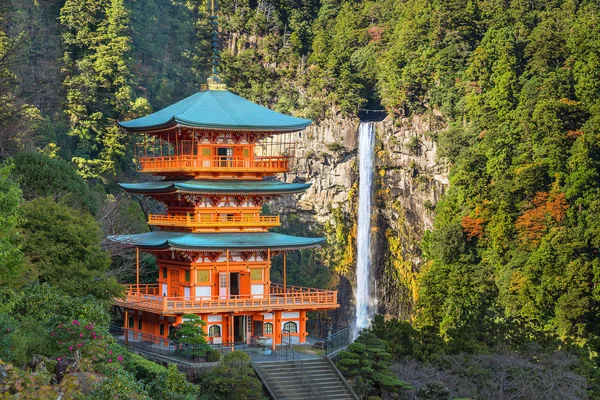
406 274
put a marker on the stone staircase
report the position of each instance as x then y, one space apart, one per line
304 379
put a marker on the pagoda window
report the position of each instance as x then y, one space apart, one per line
291 327
187 276
139 324
226 217
224 154
130 322
256 274
161 329
268 328
224 151
203 276
214 331
165 273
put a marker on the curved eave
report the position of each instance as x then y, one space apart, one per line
175 187
217 110
159 240
178 122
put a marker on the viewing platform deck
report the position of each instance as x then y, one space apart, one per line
212 222
206 166
148 298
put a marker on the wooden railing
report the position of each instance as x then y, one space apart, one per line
279 289
145 289
217 221
193 163
146 297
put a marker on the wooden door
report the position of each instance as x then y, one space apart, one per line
234 284
223 289
174 285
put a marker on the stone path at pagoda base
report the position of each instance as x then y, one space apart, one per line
256 354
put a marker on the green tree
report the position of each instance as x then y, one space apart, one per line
98 82
64 246
18 117
367 360
232 379
31 312
42 176
13 262
190 331
172 384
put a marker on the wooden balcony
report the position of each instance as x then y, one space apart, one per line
215 166
147 298
217 223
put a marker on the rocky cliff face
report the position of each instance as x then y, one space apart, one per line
408 183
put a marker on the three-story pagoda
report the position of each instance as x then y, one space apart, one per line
218 153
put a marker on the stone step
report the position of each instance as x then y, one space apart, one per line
284 381
322 374
316 377
325 388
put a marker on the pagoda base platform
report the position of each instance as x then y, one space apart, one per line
147 298
264 329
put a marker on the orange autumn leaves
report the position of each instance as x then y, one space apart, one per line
540 213
546 209
473 226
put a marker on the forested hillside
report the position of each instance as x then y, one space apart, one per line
513 258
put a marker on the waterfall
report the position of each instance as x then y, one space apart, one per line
365 307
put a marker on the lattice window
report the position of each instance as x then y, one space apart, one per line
268 328
214 331
292 327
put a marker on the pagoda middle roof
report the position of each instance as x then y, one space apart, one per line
215 187
220 110
165 240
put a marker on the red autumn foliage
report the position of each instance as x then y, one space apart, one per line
375 32
572 135
546 208
472 226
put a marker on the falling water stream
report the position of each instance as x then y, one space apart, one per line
364 304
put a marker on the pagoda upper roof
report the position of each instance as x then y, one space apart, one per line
215 187
165 240
219 110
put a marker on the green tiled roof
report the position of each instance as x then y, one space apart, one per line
161 240
215 187
217 109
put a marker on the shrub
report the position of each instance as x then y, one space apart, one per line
172 385
213 356
42 176
368 360
334 147
119 385
143 369
233 378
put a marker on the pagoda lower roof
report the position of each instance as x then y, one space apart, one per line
163 240
196 186
217 110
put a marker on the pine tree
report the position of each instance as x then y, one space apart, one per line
98 82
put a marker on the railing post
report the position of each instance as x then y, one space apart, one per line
164 304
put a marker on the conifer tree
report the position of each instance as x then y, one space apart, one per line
98 82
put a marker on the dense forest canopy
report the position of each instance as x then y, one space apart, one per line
513 256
